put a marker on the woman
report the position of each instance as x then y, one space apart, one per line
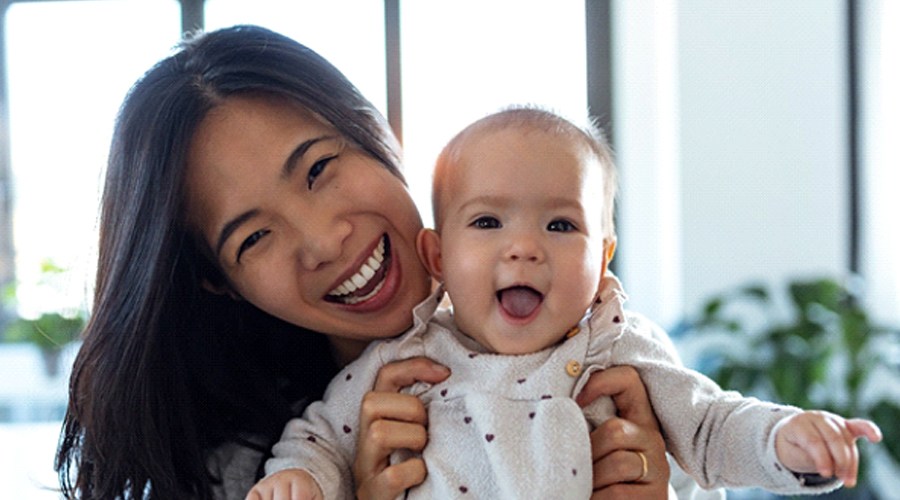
202 339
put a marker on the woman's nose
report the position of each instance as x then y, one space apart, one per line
322 243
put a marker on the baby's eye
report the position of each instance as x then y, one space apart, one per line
562 226
251 240
316 170
486 222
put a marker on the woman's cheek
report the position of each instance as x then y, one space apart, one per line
263 287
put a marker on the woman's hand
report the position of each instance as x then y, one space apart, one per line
628 451
389 421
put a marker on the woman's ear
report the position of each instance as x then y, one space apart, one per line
224 289
428 245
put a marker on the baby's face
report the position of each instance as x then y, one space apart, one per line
522 245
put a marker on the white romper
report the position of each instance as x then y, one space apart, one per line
507 426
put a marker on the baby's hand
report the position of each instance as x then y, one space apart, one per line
822 442
292 484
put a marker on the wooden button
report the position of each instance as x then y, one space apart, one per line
573 368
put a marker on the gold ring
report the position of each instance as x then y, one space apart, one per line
644 466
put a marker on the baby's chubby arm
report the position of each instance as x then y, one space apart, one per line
292 484
322 443
824 443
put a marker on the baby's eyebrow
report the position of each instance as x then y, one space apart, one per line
493 200
489 200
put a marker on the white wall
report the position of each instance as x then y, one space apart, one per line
759 181
645 68
880 158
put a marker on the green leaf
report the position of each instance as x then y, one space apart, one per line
737 376
8 295
826 292
49 331
757 292
50 267
792 378
855 327
712 308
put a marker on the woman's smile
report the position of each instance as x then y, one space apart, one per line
368 280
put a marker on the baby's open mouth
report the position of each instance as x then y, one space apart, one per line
519 301
368 279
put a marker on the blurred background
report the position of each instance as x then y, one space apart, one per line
756 143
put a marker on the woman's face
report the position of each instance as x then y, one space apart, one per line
305 225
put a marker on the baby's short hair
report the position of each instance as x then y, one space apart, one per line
542 120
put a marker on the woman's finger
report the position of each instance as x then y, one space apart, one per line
630 491
388 421
621 449
616 434
399 374
623 466
391 406
628 451
392 481
385 436
623 384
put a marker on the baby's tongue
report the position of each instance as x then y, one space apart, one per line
520 301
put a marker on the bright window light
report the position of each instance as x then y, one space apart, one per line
880 159
349 33
66 82
463 59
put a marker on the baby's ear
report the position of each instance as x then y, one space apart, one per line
428 245
609 251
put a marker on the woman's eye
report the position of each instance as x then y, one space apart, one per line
486 222
316 170
562 226
251 240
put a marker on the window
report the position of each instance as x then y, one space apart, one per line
66 81
879 162
69 65
349 33
463 59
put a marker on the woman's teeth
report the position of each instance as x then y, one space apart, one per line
359 280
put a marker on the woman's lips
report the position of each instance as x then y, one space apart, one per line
368 280
379 291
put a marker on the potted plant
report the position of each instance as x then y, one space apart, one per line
818 349
48 331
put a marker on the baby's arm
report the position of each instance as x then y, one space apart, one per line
295 484
719 438
824 443
322 444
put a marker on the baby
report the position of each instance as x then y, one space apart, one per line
523 203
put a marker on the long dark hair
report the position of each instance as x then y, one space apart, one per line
168 371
